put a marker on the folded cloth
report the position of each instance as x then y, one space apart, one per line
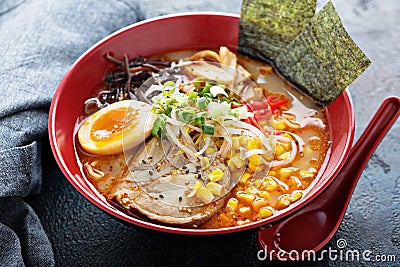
40 39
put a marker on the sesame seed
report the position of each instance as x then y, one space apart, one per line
180 198
184 167
199 176
143 161
161 195
187 171
198 167
151 173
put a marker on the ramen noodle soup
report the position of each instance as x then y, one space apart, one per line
205 139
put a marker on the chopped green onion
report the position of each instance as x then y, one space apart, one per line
234 112
200 119
169 83
208 129
202 102
158 129
168 111
187 115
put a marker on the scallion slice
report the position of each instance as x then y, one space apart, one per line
208 129
158 129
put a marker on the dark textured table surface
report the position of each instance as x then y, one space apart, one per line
83 235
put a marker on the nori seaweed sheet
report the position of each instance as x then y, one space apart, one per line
323 59
268 26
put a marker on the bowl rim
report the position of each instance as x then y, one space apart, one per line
61 161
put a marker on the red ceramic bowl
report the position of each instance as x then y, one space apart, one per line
160 35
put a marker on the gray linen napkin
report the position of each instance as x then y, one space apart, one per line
39 40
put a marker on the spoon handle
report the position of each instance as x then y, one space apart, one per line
366 144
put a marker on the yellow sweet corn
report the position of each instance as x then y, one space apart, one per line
295 196
279 125
235 142
245 198
216 175
284 156
214 188
254 143
286 172
232 204
265 194
204 162
245 177
245 211
252 167
210 150
269 184
255 159
265 212
282 202
251 190
237 161
279 149
204 195
306 174
258 204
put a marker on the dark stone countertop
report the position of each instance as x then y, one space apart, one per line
83 235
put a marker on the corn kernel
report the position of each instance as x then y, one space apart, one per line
251 190
245 177
265 212
279 150
210 150
245 198
235 142
243 140
252 166
216 175
269 184
254 143
284 156
268 156
286 172
257 183
232 204
204 162
285 146
265 194
237 161
204 195
296 196
214 188
272 173
255 159
287 135
279 125
306 174
258 204
282 202
245 211
197 185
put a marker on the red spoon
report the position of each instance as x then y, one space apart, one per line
314 225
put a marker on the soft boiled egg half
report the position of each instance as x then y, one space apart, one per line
117 127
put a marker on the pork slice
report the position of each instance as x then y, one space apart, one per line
161 193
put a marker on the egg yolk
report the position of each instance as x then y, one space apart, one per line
111 124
